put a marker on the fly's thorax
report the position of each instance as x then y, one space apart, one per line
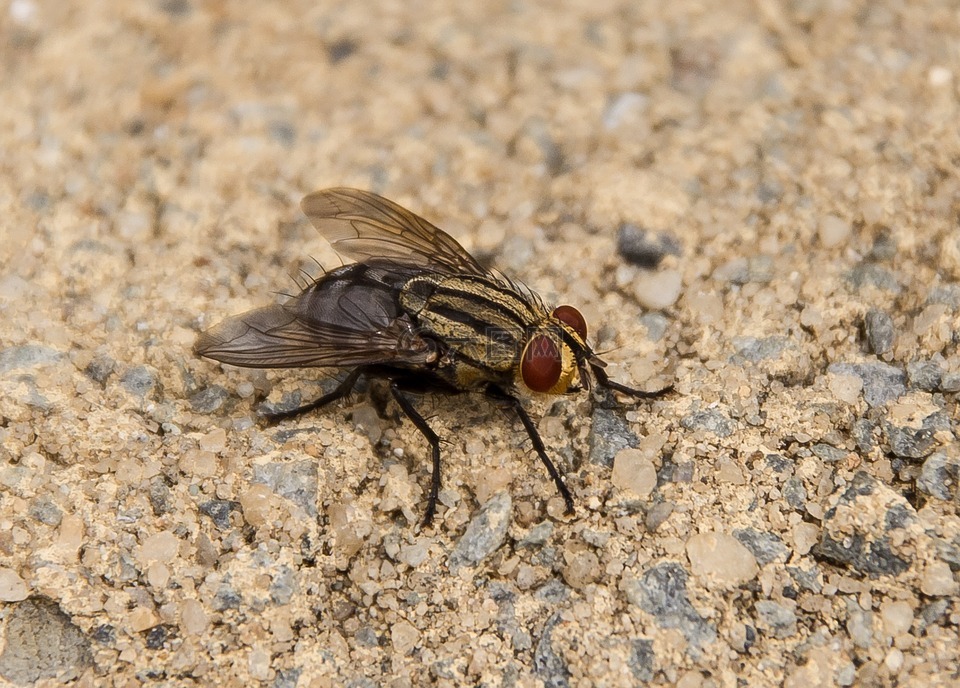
480 321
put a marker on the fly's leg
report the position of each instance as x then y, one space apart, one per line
434 441
342 390
604 381
496 393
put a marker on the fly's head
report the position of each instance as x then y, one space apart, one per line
555 357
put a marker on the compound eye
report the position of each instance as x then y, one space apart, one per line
540 366
571 316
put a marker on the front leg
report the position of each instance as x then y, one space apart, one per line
604 380
499 394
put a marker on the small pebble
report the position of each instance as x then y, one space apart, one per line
662 592
644 248
721 558
404 637
711 420
12 586
214 441
141 619
846 388
257 504
924 375
624 107
634 472
209 399
897 617
485 533
878 326
140 380
162 546
937 580
193 617
939 475
833 231
781 619
658 290
582 568
259 663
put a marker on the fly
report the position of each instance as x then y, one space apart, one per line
419 311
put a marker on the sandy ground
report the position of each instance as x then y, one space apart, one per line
787 516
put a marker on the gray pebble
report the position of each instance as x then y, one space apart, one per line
710 420
159 496
657 515
645 248
755 350
366 637
827 453
950 383
939 476
933 613
552 592
859 624
295 480
757 269
915 443
547 664
609 433
283 585
662 592
287 678
881 382
27 356
808 579
862 432
100 368
219 511
778 463
140 380
780 619
946 295
43 509
538 535
41 642
871 274
795 494
924 375
485 533
226 597
878 327
208 399
656 325
157 636
765 547
867 549
642 660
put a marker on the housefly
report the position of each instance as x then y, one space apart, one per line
419 311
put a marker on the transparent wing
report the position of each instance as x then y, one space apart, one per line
349 318
361 225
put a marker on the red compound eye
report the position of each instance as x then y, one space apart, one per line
571 316
540 366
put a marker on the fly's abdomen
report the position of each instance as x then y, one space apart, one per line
477 319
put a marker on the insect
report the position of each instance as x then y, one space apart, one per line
419 311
